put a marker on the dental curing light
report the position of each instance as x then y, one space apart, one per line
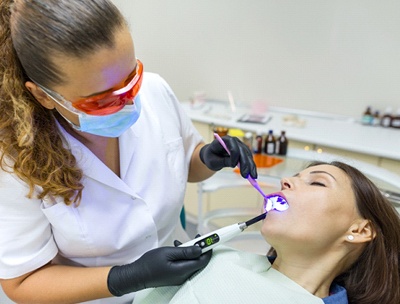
210 240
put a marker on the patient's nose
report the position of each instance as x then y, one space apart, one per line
285 184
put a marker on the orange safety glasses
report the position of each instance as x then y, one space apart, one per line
112 102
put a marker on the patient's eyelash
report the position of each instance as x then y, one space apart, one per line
318 184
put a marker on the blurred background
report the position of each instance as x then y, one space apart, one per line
330 56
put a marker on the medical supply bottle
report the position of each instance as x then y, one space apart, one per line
282 144
248 139
269 145
386 118
376 119
395 123
367 117
257 147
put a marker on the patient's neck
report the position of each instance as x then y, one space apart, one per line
313 273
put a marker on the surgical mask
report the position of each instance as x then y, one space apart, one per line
112 125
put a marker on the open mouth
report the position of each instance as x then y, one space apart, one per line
275 201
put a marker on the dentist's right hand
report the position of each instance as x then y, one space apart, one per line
164 266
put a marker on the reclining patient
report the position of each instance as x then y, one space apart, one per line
338 242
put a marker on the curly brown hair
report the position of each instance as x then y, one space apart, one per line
32 32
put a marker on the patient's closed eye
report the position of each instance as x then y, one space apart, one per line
318 184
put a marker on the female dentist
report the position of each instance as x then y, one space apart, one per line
95 157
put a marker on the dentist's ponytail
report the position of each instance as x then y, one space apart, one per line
32 34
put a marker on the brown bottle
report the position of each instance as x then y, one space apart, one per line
282 144
395 123
269 146
386 119
258 144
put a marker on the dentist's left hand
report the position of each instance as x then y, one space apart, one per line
215 157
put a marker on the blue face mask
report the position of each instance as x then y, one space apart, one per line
112 125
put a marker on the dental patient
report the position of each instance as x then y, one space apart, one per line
338 242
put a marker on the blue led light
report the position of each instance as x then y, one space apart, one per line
275 202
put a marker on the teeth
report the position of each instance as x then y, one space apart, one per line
276 202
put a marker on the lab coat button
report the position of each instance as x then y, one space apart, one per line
133 198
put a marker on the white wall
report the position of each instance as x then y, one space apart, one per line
334 56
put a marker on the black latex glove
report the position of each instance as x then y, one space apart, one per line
215 157
164 266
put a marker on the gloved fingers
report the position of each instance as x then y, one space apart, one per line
177 243
247 164
232 143
184 253
206 257
213 156
241 153
162 266
193 265
224 158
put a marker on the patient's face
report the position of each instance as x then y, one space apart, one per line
321 209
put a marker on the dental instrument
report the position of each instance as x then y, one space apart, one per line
210 240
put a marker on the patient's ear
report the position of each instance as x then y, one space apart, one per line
39 95
362 231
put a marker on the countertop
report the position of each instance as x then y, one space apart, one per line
334 131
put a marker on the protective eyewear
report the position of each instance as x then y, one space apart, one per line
108 103
105 103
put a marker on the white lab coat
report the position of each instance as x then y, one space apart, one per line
119 218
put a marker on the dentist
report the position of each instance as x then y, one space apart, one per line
95 155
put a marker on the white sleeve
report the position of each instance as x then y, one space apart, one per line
26 241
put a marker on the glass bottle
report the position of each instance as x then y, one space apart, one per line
395 123
282 144
257 149
367 117
269 145
387 117
376 119
248 139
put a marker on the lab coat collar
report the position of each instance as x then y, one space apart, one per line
92 167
